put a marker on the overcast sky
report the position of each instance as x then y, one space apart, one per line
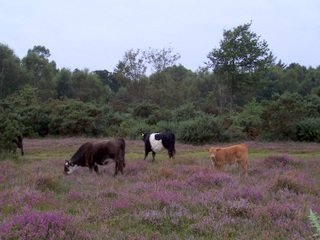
95 34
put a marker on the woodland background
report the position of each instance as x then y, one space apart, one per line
241 92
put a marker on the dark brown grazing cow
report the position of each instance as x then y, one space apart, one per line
19 143
92 154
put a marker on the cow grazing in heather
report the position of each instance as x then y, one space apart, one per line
18 141
155 142
229 155
92 154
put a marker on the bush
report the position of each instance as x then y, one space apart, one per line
167 126
281 115
294 182
136 128
185 112
249 119
72 117
40 225
202 129
144 109
48 182
9 130
309 130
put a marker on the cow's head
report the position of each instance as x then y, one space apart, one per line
69 167
213 153
144 135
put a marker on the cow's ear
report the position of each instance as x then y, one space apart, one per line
142 134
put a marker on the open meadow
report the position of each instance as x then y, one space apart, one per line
184 198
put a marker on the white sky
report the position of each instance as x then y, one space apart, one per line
95 34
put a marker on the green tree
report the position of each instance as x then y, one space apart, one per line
161 59
23 106
281 115
272 82
132 65
87 86
10 71
40 71
175 85
64 84
73 117
249 119
108 78
311 81
292 78
239 61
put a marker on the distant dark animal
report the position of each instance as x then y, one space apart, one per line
92 154
154 142
18 141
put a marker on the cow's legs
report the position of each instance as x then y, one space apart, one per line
122 165
89 160
96 169
171 153
146 154
116 168
243 168
153 155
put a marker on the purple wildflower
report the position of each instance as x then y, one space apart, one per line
39 225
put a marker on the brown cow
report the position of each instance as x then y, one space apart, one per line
92 154
229 155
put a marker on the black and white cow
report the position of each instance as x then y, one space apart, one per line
92 154
154 142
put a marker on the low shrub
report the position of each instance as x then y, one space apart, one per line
240 208
295 182
279 161
309 130
48 182
40 225
202 129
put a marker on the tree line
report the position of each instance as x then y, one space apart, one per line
241 92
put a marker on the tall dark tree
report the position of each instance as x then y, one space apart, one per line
311 83
108 78
10 71
64 84
239 60
87 87
40 70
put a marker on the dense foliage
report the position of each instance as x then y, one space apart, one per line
241 93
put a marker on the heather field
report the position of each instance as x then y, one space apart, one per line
181 199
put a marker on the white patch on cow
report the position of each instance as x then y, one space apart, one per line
156 145
71 169
106 161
